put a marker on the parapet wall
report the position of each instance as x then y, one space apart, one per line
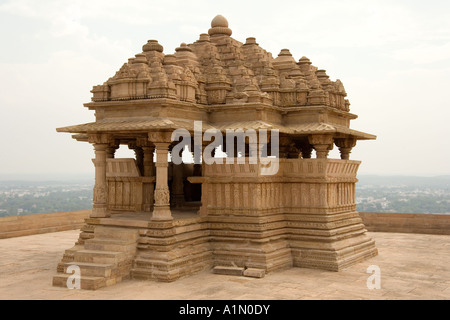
406 222
374 221
18 226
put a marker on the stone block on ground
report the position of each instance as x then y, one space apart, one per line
254 273
231 271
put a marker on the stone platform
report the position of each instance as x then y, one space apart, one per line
413 266
133 245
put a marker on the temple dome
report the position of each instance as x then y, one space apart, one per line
219 21
219 26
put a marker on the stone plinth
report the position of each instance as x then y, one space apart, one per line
305 215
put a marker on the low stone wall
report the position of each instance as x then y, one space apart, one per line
406 222
18 226
374 221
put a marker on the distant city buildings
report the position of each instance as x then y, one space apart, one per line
30 197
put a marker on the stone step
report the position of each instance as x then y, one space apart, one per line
151 274
86 283
254 273
116 233
102 257
105 244
91 269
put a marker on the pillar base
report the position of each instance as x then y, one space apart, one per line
162 213
101 212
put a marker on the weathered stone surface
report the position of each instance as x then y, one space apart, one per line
254 273
231 271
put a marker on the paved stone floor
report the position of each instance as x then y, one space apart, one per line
413 266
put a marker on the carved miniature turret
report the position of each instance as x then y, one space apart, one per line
217 69
219 26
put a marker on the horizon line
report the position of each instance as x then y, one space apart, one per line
6 177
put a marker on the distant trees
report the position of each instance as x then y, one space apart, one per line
57 201
401 200
379 194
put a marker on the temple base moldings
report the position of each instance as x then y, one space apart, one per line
296 218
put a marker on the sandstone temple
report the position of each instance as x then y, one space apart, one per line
153 218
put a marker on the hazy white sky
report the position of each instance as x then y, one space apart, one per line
392 56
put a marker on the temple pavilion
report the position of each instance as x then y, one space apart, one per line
154 218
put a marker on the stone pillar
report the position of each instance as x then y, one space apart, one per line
148 188
139 159
148 161
322 143
294 153
286 145
196 150
100 205
111 150
139 154
177 186
345 147
161 209
252 150
306 150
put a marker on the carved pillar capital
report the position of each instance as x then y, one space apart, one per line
99 138
345 146
160 137
322 143
111 149
162 146
100 146
144 142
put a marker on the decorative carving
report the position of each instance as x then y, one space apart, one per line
99 194
162 197
345 147
100 141
160 137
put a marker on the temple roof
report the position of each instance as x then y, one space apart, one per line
245 72
145 125
224 83
141 124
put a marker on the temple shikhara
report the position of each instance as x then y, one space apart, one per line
155 219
